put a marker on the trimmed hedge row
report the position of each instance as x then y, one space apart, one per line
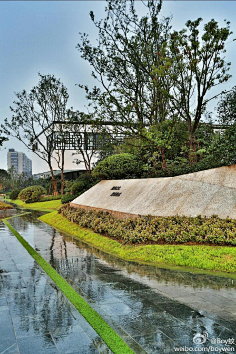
50 197
156 230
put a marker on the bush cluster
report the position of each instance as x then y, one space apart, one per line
84 182
4 206
154 230
67 198
50 197
31 194
78 187
14 194
118 166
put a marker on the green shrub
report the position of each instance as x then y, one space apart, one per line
67 198
4 206
154 230
14 194
50 197
78 187
118 167
31 194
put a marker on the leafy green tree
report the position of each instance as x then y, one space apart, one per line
226 108
198 65
33 118
2 138
222 150
159 146
122 63
118 167
4 177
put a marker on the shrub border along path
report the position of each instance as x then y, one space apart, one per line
109 336
203 259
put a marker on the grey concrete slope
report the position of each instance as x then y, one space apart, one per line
201 193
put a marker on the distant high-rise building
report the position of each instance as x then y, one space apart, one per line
20 162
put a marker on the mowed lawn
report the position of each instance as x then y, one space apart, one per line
43 206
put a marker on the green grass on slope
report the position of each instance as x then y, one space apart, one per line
110 337
43 206
200 257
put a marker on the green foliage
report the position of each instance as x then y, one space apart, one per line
154 230
84 182
2 138
164 149
226 108
78 187
67 186
158 75
3 175
67 198
50 197
128 98
42 206
4 179
198 65
14 194
35 111
31 194
222 150
4 206
118 167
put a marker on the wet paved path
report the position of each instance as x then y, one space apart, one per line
155 311
35 317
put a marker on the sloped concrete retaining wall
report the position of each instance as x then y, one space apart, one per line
201 193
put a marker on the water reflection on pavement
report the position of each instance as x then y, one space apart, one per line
154 310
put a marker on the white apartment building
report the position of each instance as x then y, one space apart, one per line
20 162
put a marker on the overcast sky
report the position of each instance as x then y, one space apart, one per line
41 36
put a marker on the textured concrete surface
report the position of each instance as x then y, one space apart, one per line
201 193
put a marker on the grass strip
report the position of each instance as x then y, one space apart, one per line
110 337
14 216
217 260
42 206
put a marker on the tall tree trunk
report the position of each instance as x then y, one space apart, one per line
192 153
163 157
54 182
62 170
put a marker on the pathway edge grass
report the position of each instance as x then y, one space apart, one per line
215 260
42 206
110 337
